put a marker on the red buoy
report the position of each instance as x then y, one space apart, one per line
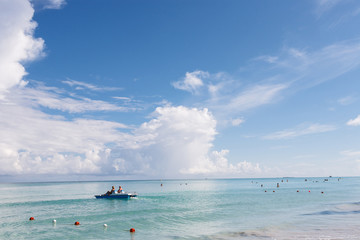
309 190
297 191
31 218
132 230
265 191
274 191
76 223
322 192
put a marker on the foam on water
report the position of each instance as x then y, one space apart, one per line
191 209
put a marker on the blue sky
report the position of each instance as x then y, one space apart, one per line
179 89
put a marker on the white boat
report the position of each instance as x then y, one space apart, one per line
123 195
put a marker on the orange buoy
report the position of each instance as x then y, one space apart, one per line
31 218
274 191
132 230
76 223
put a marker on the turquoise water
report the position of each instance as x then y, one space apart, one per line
184 209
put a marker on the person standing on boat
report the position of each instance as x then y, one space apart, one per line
120 190
111 191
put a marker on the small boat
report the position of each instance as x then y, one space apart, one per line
118 195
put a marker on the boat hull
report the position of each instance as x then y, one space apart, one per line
117 196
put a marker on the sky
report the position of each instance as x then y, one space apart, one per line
167 89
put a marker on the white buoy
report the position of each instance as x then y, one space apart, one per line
105 225
54 221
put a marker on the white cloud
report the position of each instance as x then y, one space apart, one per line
57 99
237 121
254 97
178 141
192 81
301 69
227 97
218 163
267 58
354 122
34 142
319 66
17 44
82 85
293 70
48 4
127 99
177 138
300 131
175 141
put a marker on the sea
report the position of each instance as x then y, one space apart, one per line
206 209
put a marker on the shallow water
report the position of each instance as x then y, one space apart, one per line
184 209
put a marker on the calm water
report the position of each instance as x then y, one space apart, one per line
184 209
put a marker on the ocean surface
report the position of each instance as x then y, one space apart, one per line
319 208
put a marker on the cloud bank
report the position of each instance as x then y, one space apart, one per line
17 43
176 141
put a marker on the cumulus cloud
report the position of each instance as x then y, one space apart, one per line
354 122
176 141
35 142
17 43
218 163
177 138
300 131
179 141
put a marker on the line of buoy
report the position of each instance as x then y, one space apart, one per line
132 230
296 191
